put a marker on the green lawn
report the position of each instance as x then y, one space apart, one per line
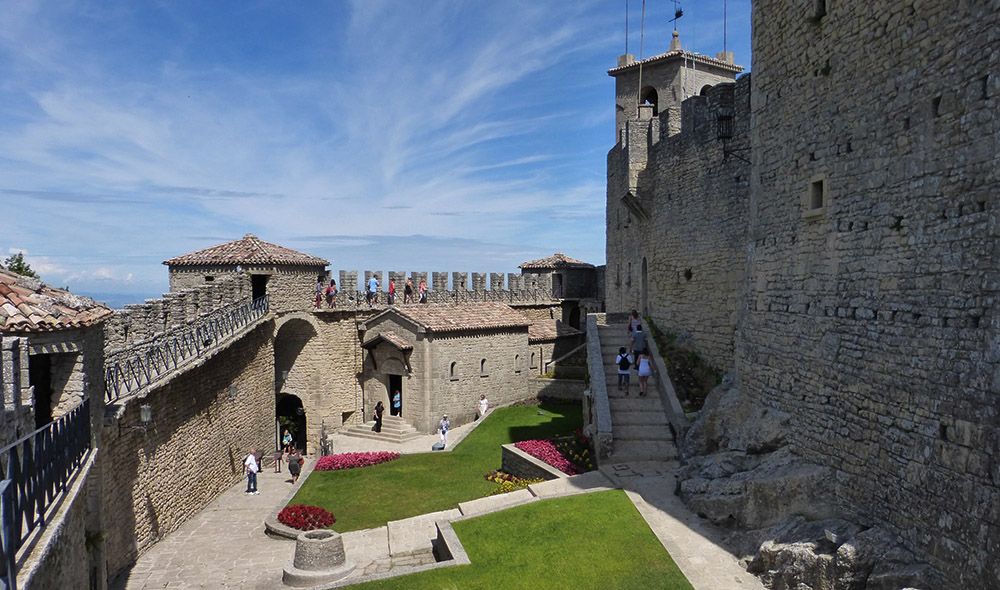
417 484
596 540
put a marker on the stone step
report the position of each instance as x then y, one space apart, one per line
495 503
367 432
634 403
592 481
389 428
414 536
626 417
642 450
624 431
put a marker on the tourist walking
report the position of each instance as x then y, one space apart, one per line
251 467
286 441
372 293
397 404
331 294
645 365
423 291
392 292
379 410
408 291
482 406
444 425
319 293
295 465
639 344
624 361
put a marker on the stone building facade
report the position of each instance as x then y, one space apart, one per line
443 357
846 265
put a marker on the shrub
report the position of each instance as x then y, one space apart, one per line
507 482
546 451
305 518
352 460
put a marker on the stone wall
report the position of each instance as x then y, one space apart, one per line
873 317
683 264
17 416
155 477
856 258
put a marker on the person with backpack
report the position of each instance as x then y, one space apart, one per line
624 362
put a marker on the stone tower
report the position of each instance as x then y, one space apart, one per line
666 80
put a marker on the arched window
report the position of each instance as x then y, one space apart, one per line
482 368
648 96
517 363
533 363
453 371
705 89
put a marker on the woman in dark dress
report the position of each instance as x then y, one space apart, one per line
379 410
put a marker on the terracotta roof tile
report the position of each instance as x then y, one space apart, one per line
557 260
544 330
449 317
678 54
390 337
247 250
28 305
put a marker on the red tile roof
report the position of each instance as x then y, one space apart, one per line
450 317
546 330
557 260
28 305
390 337
247 250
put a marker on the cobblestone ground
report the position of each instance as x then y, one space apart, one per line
223 546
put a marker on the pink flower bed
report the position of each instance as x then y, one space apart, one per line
546 451
352 460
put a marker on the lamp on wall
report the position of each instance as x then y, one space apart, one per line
145 414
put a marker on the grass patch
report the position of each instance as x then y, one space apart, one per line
596 540
418 484
693 378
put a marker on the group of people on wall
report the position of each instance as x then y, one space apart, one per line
636 356
410 295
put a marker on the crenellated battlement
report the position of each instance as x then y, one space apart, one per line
444 286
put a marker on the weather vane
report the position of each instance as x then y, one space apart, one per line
678 13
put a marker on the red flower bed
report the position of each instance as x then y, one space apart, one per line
305 518
352 460
546 451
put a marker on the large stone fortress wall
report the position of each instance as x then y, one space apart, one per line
855 263
873 318
676 243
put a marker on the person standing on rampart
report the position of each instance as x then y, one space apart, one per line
319 294
391 299
331 294
408 291
423 291
372 293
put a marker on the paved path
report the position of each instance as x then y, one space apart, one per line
223 546
692 543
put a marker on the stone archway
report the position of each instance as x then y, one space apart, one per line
292 379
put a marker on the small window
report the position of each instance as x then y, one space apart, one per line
482 368
453 371
816 200
517 363
209 278
533 363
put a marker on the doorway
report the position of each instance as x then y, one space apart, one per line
40 378
557 286
258 286
395 387
292 419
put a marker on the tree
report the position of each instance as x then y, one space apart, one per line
16 264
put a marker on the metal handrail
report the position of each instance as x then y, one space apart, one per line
134 368
37 471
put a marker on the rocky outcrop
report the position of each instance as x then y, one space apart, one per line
740 472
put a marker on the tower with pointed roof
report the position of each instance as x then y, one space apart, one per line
286 276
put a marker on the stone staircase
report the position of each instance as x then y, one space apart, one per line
394 429
639 424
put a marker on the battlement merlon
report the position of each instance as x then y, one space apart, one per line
667 79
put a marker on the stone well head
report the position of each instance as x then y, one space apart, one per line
321 549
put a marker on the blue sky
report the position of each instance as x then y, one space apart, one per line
378 134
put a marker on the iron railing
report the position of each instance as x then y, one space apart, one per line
132 369
37 470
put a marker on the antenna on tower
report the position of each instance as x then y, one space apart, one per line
725 26
626 27
678 13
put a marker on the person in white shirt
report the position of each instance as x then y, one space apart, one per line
482 406
444 426
251 467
